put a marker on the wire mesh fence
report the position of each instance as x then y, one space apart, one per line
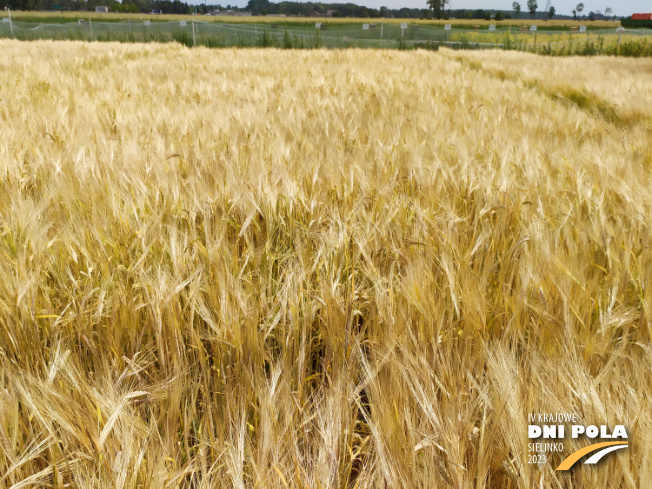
368 35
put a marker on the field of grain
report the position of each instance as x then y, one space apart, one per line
114 16
320 269
552 38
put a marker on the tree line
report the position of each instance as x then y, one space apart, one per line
437 9
134 6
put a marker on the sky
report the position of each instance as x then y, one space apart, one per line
620 7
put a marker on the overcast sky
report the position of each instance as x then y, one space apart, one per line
620 7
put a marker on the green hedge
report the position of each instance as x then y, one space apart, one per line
636 24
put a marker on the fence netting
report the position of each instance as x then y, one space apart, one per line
291 35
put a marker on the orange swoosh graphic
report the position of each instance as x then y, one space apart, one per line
574 457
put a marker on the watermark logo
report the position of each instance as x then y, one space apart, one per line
601 450
553 427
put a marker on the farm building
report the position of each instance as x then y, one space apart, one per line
329 13
641 16
230 13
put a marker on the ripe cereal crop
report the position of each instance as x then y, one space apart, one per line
319 269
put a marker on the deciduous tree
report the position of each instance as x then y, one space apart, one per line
516 7
438 7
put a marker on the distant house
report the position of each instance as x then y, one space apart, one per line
329 13
230 13
276 15
101 10
641 16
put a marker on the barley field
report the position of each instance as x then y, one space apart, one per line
115 16
320 269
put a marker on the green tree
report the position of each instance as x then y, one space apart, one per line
516 7
532 6
579 7
551 12
438 7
